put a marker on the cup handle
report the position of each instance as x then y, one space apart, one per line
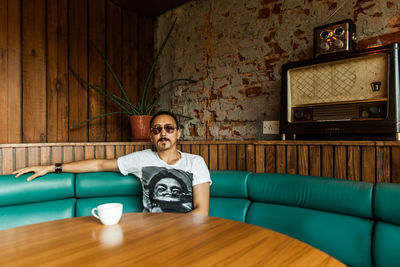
94 213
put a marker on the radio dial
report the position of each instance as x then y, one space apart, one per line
374 110
324 46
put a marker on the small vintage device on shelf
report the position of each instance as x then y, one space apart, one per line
347 96
338 37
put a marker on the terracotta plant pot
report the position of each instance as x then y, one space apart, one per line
140 126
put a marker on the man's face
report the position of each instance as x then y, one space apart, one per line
164 140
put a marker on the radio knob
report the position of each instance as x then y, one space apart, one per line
299 115
324 46
338 43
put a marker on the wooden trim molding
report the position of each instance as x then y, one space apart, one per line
370 161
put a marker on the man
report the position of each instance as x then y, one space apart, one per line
166 163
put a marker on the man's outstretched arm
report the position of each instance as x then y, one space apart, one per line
92 165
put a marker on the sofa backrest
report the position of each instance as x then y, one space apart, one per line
96 188
330 214
228 195
386 242
46 199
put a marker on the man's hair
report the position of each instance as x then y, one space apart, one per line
164 113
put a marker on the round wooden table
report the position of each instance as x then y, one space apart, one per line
148 239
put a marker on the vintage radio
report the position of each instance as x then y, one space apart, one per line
351 96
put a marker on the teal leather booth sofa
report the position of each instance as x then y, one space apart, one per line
356 222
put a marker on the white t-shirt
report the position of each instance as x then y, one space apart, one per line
166 188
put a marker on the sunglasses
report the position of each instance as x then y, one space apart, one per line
168 128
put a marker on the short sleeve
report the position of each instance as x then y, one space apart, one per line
201 174
130 164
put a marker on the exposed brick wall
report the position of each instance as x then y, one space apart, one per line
235 50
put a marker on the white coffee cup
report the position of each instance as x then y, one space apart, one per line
108 214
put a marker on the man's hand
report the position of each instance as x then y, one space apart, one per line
37 170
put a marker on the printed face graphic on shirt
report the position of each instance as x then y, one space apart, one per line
167 190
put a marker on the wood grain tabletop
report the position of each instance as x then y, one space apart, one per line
148 239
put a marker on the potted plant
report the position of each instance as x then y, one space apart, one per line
140 112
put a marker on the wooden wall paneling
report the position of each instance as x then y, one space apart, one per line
14 80
56 154
303 157
129 62
186 148
222 157
34 71
241 157
57 71
353 163
138 148
99 152
315 160
204 153
10 71
327 161
20 158
129 149
395 164
368 164
383 164
45 155
281 159
33 156
14 72
109 151
213 155
67 154
340 162
260 158
147 146
97 69
119 151
114 56
270 160
89 152
195 149
250 158
3 71
78 92
232 163
145 50
79 153
291 157
7 160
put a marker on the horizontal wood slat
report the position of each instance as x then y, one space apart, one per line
358 161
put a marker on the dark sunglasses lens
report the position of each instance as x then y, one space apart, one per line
169 128
156 130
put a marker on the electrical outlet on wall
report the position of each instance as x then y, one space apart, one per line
270 127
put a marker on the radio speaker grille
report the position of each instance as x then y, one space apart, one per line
342 81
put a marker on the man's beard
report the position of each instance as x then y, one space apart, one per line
164 145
